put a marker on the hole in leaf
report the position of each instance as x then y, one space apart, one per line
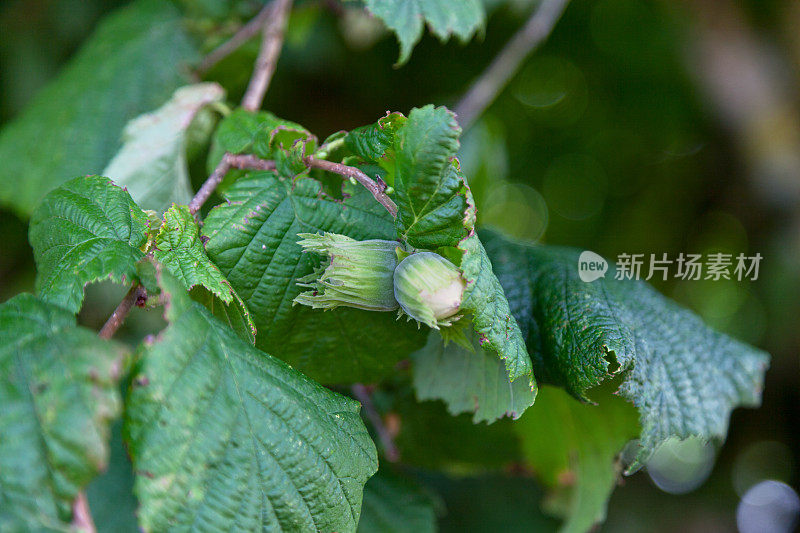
613 365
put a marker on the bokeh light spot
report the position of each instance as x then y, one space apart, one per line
681 466
718 231
553 90
517 209
768 507
714 300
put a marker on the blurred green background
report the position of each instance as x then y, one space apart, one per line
639 127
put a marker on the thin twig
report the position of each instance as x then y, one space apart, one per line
210 185
81 516
273 19
244 34
378 190
486 88
362 394
228 161
271 44
121 312
245 161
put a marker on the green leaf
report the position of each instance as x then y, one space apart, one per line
683 377
225 435
86 230
374 143
262 134
130 65
573 449
431 193
253 239
58 396
289 146
396 504
179 248
152 163
234 314
467 381
249 132
496 327
444 18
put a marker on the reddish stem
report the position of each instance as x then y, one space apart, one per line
116 319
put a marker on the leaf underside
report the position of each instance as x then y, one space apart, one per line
468 381
683 377
152 164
